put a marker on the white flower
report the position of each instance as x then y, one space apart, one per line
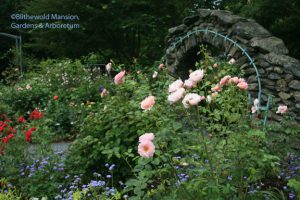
155 74
231 61
108 67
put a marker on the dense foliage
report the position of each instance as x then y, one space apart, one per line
132 138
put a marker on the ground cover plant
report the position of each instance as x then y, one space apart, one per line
138 133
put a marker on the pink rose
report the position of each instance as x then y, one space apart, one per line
120 78
254 109
191 99
28 87
216 88
176 96
241 80
189 84
175 85
215 65
161 66
20 88
243 85
234 80
282 109
146 149
146 137
148 103
224 80
197 75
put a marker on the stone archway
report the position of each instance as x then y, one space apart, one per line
279 73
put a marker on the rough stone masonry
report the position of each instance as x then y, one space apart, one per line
279 73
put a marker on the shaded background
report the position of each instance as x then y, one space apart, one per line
130 31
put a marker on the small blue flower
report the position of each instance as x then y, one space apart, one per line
111 167
108 176
229 178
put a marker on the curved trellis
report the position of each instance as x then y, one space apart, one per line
181 39
18 48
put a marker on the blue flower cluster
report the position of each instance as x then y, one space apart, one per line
98 186
45 165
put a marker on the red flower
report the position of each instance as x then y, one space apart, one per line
2 125
7 138
35 114
55 98
28 134
21 119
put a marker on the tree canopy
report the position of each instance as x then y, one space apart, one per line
135 29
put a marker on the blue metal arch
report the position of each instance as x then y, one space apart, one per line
226 38
18 48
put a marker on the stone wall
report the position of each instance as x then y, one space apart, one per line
279 73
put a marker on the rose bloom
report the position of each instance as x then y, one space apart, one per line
161 66
256 102
224 80
148 103
155 73
146 137
175 85
55 97
120 78
231 61
241 80
189 84
176 96
28 87
146 149
29 133
282 109
197 75
234 80
20 88
215 65
216 88
254 109
191 99
108 67
7 138
103 93
243 85
21 119
35 114
208 98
